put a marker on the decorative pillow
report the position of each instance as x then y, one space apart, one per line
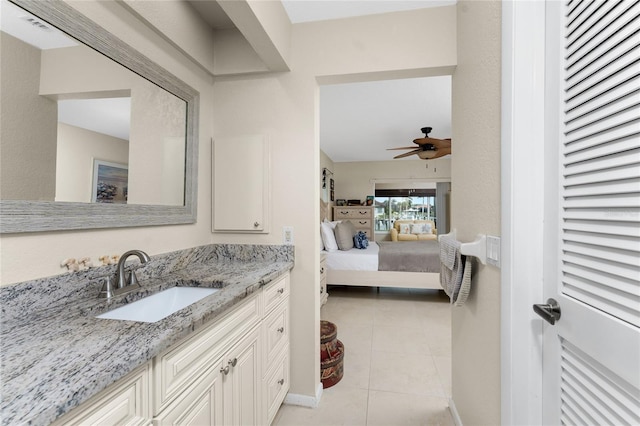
344 235
428 228
360 240
420 228
328 237
405 228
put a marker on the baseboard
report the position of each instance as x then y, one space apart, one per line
454 413
305 400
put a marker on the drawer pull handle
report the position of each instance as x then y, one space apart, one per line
256 224
233 362
281 290
281 382
281 330
343 212
225 370
363 212
362 222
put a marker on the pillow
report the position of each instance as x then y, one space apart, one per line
360 240
428 228
328 237
405 228
421 228
344 235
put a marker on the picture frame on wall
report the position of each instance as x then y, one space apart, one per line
369 200
110 182
332 195
331 184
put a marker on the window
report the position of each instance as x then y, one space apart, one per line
395 204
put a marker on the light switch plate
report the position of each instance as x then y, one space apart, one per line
493 250
287 235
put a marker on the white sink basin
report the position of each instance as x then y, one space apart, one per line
160 305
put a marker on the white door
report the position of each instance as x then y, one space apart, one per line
591 355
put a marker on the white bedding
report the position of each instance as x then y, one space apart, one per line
354 259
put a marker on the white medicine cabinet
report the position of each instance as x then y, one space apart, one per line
241 184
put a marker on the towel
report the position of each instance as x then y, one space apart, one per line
465 285
455 270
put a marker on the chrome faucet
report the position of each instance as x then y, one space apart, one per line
122 282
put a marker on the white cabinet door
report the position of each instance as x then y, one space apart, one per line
241 169
242 382
201 404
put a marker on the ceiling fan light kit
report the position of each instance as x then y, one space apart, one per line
428 148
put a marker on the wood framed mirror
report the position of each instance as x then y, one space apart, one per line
40 195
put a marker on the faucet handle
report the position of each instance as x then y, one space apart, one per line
133 280
108 288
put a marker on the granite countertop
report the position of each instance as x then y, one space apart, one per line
55 358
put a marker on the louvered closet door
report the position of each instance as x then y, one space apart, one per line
591 371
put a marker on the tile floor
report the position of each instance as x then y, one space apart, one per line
397 363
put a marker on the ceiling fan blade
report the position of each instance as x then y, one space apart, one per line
441 152
406 154
443 144
404 147
425 141
432 141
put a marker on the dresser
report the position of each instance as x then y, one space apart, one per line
360 216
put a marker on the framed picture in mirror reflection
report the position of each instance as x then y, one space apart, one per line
110 182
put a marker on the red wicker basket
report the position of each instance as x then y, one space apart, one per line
332 369
328 340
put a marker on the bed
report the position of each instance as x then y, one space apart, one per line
375 265
362 267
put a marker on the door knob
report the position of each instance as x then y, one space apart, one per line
550 311
225 370
233 362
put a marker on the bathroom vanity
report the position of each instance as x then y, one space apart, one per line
221 360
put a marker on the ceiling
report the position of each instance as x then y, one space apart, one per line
359 121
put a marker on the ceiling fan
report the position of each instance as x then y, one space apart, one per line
428 148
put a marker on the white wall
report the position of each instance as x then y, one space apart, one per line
475 208
355 180
77 148
28 160
284 106
30 256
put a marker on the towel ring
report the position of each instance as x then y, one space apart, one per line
477 248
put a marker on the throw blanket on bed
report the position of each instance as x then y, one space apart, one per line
409 256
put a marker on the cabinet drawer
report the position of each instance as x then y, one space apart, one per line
177 368
361 223
275 292
277 383
276 326
323 270
352 213
126 403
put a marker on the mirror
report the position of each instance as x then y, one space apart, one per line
93 134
